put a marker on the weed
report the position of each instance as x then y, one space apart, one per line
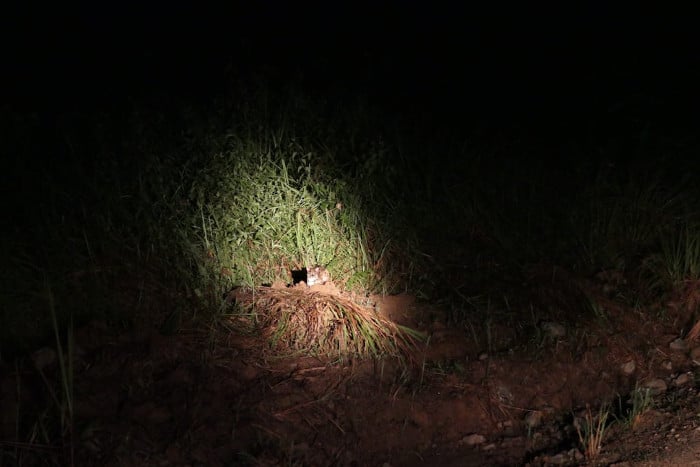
64 400
681 255
591 430
595 307
640 401
676 268
678 260
620 220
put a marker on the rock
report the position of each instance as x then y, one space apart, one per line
655 386
682 379
678 345
554 329
695 355
533 419
473 440
558 459
628 368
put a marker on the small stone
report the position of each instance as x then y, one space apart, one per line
558 459
533 419
483 356
655 386
628 368
682 380
473 440
667 365
554 329
678 345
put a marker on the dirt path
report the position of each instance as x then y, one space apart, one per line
211 398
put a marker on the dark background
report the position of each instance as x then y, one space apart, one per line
530 66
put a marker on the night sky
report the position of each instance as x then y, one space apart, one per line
531 67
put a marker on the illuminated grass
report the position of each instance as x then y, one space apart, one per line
270 206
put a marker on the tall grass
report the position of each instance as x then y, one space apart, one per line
166 210
266 210
680 255
147 213
622 219
98 221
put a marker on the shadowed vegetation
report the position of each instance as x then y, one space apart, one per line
150 218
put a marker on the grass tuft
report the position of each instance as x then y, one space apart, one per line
591 431
298 321
621 220
639 403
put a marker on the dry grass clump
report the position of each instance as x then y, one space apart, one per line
296 320
591 431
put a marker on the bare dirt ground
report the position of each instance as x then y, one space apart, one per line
502 392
